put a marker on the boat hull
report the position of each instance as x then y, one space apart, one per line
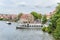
9 23
28 27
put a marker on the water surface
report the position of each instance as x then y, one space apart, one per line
9 32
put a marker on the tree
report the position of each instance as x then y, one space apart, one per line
39 16
55 23
36 15
57 30
44 19
18 16
55 17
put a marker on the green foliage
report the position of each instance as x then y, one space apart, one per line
44 19
39 16
55 17
4 19
36 15
57 30
43 29
1 18
55 23
47 29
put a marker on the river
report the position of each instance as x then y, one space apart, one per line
9 32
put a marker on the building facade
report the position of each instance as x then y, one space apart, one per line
8 16
27 18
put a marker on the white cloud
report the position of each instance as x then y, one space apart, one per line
34 2
45 3
21 3
57 1
1 3
29 3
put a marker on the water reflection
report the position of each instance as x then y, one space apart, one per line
29 29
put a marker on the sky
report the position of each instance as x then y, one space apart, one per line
27 6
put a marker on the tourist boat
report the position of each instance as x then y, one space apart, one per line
25 26
8 22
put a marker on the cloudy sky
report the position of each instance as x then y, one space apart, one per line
26 6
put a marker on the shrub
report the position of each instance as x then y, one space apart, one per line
1 18
43 29
47 29
56 32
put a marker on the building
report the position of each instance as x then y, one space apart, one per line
27 18
48 16
8 16
37 21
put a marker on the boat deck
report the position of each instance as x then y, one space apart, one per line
25 26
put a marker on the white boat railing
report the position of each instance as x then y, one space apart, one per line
30 25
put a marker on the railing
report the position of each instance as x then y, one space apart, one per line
30 25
